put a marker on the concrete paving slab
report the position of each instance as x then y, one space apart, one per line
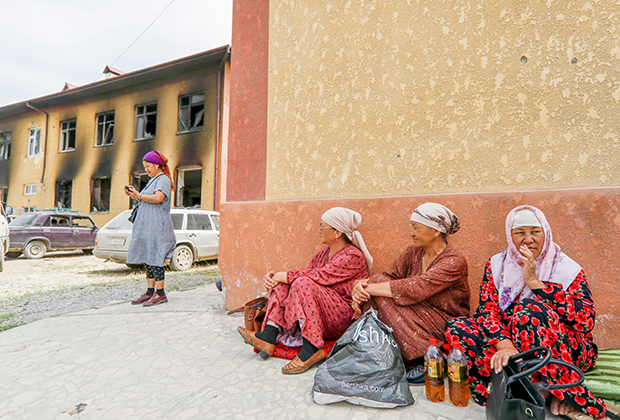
180 360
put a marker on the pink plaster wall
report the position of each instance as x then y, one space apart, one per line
281 235
248 101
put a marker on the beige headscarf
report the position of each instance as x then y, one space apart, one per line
437 217
347 221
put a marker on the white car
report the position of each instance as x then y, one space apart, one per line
197 232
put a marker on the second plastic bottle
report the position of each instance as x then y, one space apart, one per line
458 376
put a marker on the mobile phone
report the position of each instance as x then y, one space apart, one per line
127 187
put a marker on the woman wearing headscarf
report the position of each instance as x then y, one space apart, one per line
152 238
426 286
307 307
531 295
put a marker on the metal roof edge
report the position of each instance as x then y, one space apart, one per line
117 82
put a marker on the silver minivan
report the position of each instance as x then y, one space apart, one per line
197 232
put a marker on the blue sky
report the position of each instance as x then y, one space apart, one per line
45 43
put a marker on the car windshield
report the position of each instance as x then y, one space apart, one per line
24 219
120 222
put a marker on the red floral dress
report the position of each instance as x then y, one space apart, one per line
554 318
317 299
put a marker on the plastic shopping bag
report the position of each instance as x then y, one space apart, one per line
364 368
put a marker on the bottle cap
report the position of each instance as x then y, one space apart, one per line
432 341
456 343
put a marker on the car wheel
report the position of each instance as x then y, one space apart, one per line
34 250
182 258
14 254
88 251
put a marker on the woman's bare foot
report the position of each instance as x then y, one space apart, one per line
559 408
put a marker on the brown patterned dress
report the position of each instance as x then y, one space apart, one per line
422 302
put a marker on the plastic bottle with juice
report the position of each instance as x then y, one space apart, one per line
433 373
458 375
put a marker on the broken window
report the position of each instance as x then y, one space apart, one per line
30 189
191 112
100 195
63 194
67 135
138 181
146 121
105 129
34 142
189 188
5 145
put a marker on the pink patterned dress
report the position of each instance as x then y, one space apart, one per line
316 301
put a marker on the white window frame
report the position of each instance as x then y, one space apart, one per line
34 142
30 189
105 120
5 145
142 117
65 134
184 124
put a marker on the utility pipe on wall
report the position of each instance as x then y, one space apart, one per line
218 128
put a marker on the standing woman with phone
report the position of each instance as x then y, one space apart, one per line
152 239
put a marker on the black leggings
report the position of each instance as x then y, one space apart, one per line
153 272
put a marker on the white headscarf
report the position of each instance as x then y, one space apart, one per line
347 221
437 217
552 265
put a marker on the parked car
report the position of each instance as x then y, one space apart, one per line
35 233
197 232
4 234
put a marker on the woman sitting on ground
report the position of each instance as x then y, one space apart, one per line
309 306
531 295
426 286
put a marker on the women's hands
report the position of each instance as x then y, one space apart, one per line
272 279
359 293
500 358
528 268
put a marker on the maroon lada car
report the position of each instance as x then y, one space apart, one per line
35 233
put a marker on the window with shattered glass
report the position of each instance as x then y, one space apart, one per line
146 121
105 129
34 142
5 145
191 112
63 194
100 195
67 135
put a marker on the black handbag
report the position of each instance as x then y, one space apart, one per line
133 214
513 396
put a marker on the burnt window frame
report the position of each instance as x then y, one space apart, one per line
145 114
5 145
186 126
93 187
67 131
31 142
100 142
69 193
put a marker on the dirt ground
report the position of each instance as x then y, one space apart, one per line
64 282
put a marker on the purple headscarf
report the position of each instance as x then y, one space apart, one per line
154 157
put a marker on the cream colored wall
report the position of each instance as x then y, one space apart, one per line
376 98
122 153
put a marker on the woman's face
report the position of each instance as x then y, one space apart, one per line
422 235
328 234
533 237
150 168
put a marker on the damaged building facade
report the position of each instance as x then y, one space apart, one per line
381 106
77 148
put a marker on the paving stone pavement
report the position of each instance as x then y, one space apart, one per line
180 360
